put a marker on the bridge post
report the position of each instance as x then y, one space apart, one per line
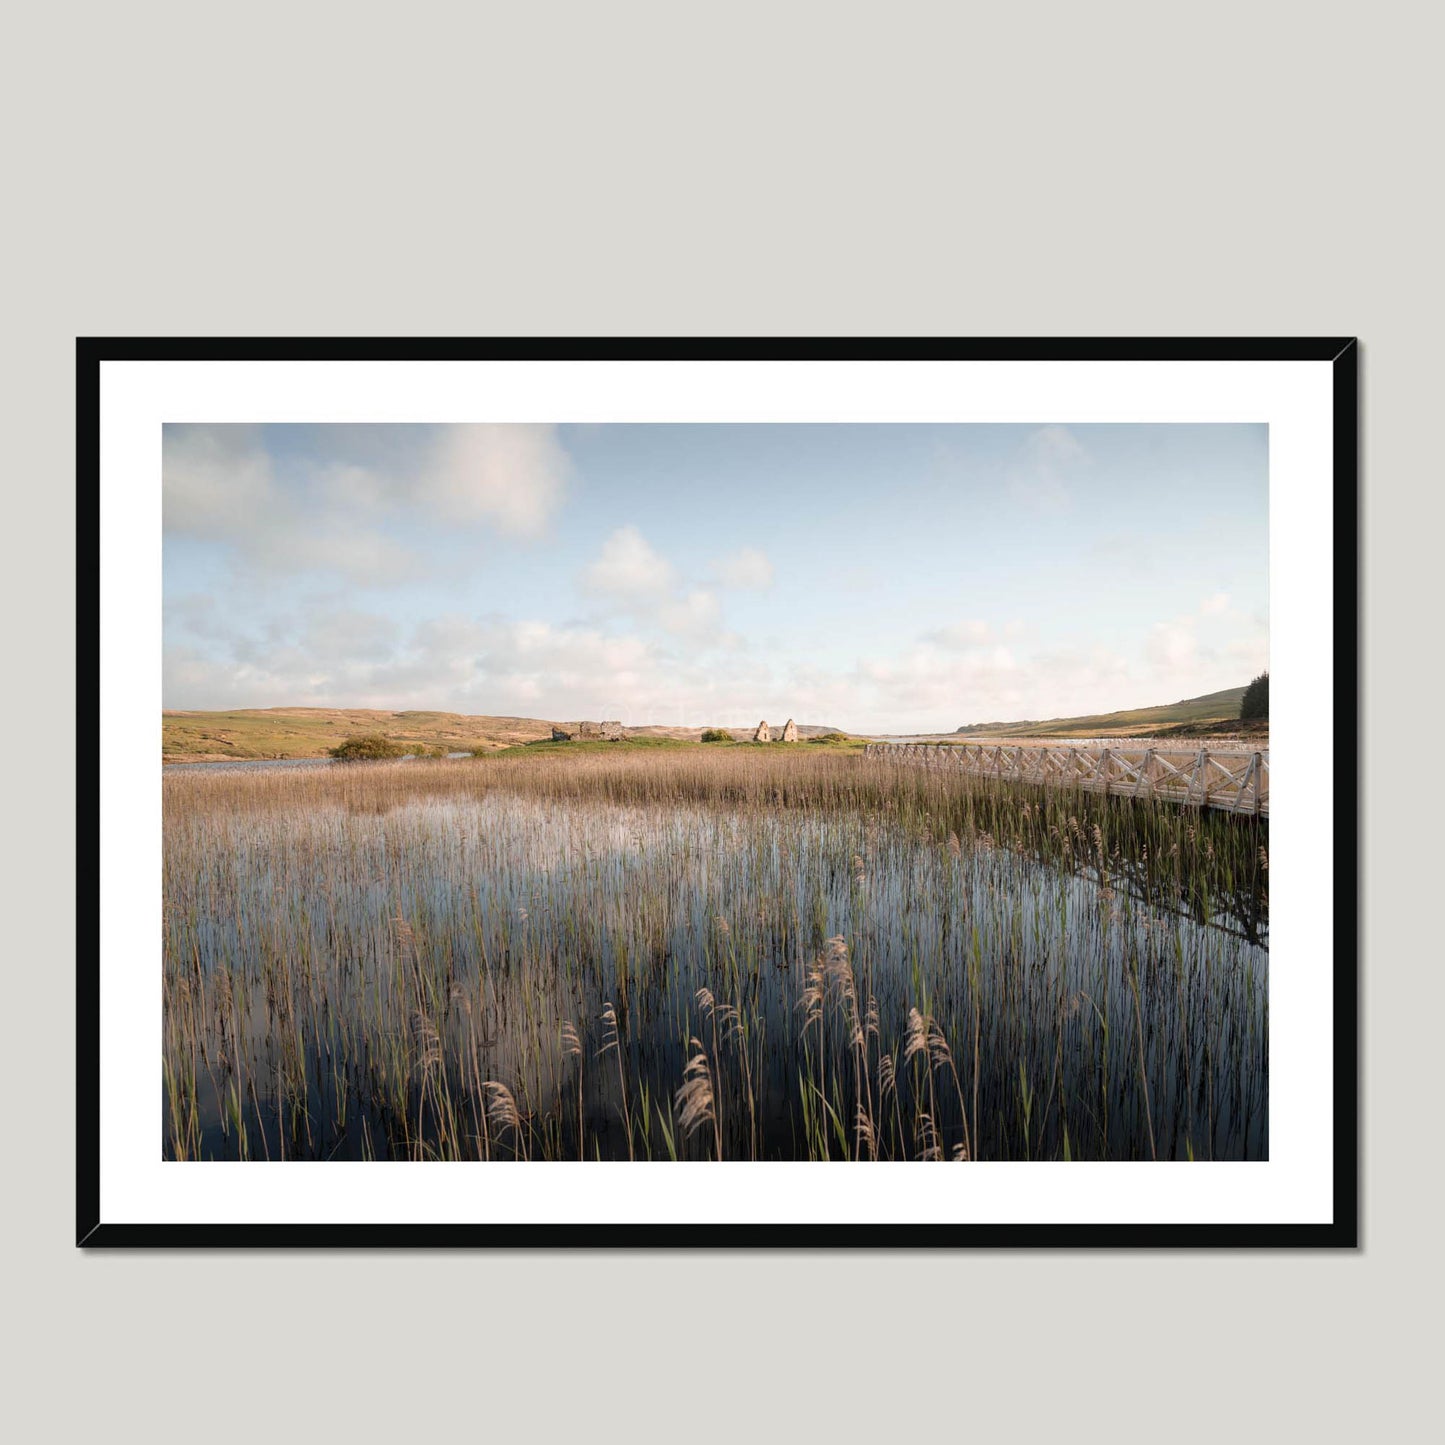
1201 776
1146 774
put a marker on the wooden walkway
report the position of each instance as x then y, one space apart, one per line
1236 781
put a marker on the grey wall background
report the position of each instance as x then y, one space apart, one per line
632 169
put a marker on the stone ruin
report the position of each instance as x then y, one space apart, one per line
763 735
790 731
607 732
561 735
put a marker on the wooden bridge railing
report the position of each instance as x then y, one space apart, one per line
1236 781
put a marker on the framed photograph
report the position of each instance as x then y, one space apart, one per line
675 792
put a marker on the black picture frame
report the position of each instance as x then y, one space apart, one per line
1342 1231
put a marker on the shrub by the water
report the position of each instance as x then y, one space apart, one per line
370 747
1255 702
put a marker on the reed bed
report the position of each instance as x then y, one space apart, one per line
748 953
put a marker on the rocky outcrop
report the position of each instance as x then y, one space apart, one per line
790 731
763 734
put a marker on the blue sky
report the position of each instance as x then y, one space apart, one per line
875 578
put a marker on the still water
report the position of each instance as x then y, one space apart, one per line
502 978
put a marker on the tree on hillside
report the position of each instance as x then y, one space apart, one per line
1255 702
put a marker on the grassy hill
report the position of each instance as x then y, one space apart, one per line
1192 716
308 732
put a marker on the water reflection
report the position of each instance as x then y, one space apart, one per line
349 983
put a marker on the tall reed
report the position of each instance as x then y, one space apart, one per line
706 953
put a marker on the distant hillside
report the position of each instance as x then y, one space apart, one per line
1192 715
308 732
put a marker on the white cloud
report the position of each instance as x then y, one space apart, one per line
511 476
1042 470
216 482
1208 650
629 570
748 569
1172 645
487 665
360 554
528 667
351 634
346 516
695 615
960 635
220 484
351 490
632 578
927 681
